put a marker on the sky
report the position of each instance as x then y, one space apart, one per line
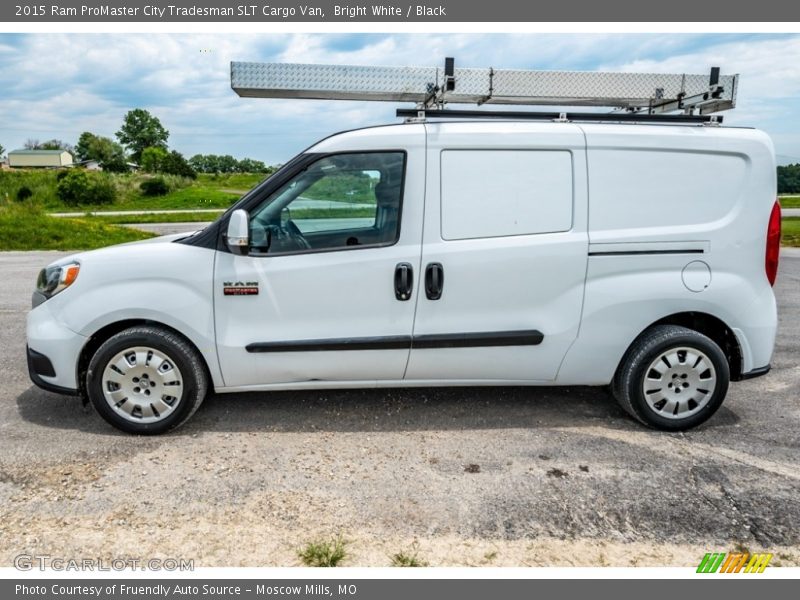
59 85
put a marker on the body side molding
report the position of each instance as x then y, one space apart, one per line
531 337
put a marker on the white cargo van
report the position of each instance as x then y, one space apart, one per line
442 254
536 250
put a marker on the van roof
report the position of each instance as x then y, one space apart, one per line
488 124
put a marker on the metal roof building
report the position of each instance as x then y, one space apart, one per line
39 158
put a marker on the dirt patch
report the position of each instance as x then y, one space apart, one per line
225 539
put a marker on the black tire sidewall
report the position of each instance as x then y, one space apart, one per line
639 371
123 341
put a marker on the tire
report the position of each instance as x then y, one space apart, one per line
146 380
672 378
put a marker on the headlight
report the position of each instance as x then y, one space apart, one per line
56 278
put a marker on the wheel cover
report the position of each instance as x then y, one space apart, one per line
679 382
142 384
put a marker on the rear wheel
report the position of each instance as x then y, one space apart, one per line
672 378
146 380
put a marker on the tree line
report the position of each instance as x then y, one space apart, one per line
142 140
213 163
789 179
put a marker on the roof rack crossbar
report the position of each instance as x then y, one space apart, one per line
413 113
434 87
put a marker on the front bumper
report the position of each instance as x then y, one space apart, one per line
53 352
39 366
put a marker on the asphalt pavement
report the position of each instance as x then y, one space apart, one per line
168 228
481 476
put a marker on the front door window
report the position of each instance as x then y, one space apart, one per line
342 201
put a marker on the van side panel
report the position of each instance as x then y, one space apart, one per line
500 193
641 193
677 223
505 217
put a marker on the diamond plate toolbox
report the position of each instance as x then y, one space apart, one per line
472 85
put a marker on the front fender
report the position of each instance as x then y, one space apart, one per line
165 283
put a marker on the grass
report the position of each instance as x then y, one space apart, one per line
790 201
231 181
207 191
41 183
324 553
790 231
25 227
408 559
194 196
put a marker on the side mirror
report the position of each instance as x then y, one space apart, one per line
238 235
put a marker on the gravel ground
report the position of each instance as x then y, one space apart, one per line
514 476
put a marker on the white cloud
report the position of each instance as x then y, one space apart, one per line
768 88
57 85
768 68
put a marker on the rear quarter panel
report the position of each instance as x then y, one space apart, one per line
660 190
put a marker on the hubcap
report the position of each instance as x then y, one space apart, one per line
142 384
679 382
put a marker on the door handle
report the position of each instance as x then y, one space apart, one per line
434 281
403 281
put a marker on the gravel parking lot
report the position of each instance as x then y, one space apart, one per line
517 476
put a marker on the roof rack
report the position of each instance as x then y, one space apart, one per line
631 96
516 115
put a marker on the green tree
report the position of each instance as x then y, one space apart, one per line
141 130
54 144
110 154
102 149
199 162
82 148
175 164
158 160
212 163
2 150
789 179
152 158
248 165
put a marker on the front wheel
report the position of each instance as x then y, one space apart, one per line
672 378
146 380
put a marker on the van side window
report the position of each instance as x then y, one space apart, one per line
494 193
340 201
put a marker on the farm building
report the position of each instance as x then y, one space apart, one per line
96 165
90 165
39 158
